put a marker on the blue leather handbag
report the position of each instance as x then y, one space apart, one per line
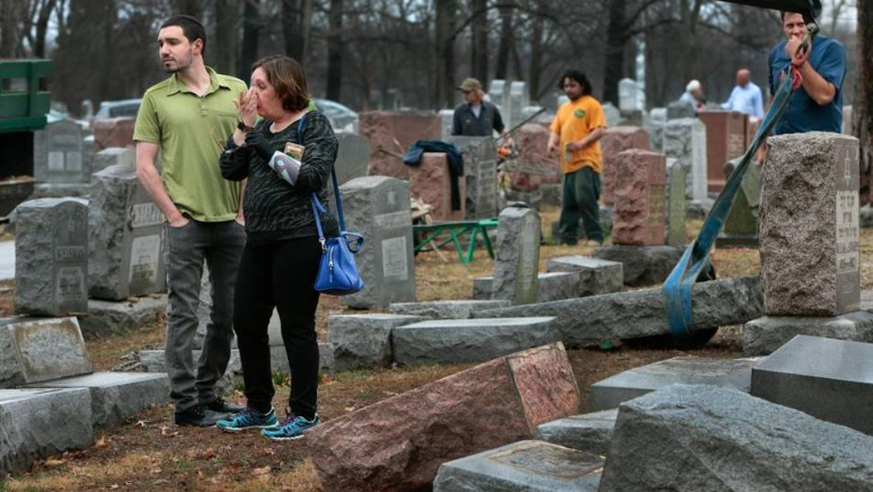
337 273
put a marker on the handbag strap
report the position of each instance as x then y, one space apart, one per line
317 207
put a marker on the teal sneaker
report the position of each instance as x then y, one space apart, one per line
249 418
292 428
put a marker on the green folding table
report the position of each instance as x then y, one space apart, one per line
434 235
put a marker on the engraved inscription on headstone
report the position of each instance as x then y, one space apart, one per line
847 228
480 169
145 215
676 204
71 260
58 153
656 205
145 254
394 266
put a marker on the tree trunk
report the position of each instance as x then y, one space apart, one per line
479 46
226 35
863 119
42 27
335 50
536 58
305 29
613 64
251 31
189 7
294 41
505 45
446 11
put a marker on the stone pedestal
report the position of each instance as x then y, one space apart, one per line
480 171
518 255
51 257
685 140
614 141
640 199
596 276
378 208
726 133
741 226
809 225
126 240
390 135
642 265
431 181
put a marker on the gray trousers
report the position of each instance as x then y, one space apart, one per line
220 245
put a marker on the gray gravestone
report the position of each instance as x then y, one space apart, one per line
518 100
642 265
480 170
114 156
829 379
453 309
685 140
596 276
676 177
654 126
126 241
364 340
809 225
378 208
59 153
36 350
525 466
447 117
612 115
498 93
591 432
705 438
552 286
678 110
765 335
612 392
631 97
518 255
51 257
741 224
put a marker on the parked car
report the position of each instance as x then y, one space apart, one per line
341 117
116 109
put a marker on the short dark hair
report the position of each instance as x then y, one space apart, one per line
191 28
286 76
579 77
783 13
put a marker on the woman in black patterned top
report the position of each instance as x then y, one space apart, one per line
280 261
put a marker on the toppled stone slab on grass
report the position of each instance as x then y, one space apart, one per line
633 383
33 350
638 314
765 335
470 340
694 438
642 265
553 286
108 317
364 340
117 396
446 309
526 466
596 276
399 443
37 423
829 379
591 432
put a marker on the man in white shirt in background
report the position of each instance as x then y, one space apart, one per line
746 97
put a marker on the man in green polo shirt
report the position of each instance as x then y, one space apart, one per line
188 117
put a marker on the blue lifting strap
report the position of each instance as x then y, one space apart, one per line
677 287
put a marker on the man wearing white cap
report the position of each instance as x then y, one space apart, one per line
693 96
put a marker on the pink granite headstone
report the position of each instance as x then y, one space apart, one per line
640 182
431 181
614 141
390 135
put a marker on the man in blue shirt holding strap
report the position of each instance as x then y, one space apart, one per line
818 105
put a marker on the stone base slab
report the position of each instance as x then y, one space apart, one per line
108 317
765 335
642 265
553 286
447 309
525 466
591 432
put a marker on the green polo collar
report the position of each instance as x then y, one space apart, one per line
215 82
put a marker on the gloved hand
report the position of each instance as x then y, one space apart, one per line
259 143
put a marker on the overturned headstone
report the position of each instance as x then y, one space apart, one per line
399 443
591 432
59 153
553 286
51 257
640 199
378 208
596 276
33 350
526 466
614 141
693 438
518 255
480 171
469 340
431 181
364 340
639 314
126 242
642 265
633 383
685 140
446 309
38 423
726 135
741 225
116 396
390 134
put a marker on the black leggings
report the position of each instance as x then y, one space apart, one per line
279 274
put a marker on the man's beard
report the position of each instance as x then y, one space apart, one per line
179 65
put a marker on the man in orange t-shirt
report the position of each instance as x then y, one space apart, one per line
576 130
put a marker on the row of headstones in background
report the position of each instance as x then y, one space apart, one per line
685 140
810 261
631 96
480 174
511 98
727 136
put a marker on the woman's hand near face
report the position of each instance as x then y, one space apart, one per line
247 107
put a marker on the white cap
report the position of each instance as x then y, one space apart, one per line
694 85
